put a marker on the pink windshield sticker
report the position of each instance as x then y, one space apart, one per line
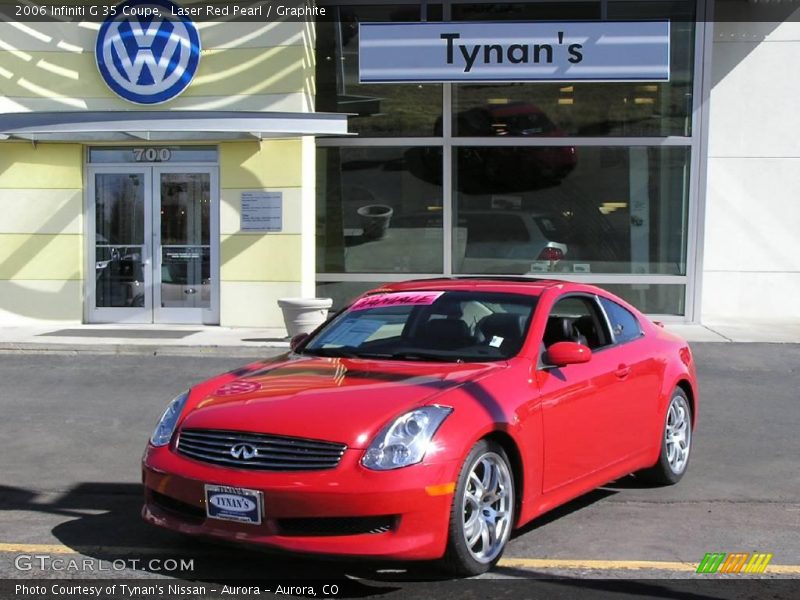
396 299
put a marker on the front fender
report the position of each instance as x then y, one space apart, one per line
511 414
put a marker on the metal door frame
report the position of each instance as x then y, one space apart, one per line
209 316
150 313
118 314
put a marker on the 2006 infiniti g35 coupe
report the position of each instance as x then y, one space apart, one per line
426 421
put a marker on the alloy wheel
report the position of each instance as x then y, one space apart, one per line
678 434
488 507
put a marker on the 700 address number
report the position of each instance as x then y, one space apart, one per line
152 154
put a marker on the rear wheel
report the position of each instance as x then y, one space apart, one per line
676 443
482 514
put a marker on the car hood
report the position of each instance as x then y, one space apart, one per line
335 399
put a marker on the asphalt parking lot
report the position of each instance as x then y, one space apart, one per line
73 428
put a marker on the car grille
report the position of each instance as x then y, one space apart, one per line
272 452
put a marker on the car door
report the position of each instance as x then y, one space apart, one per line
642 384
587 426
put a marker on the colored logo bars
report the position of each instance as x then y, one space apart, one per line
736 562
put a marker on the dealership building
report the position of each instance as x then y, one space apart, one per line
196 170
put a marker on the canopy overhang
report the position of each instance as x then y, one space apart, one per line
167 126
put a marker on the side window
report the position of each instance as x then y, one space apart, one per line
576 319
624 325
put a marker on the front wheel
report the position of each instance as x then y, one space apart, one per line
482 514
676 443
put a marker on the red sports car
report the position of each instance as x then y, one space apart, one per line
426 421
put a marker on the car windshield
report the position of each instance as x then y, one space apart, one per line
455 326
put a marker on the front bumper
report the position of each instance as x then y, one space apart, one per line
346 511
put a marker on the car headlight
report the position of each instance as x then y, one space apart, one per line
166 424
406 439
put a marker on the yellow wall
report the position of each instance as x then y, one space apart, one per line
41 241
69 75
258 268
243 66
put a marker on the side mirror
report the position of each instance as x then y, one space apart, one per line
561 354
297 340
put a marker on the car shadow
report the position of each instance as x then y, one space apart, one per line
104 524
564 510
630 482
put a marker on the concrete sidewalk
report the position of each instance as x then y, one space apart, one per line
764 331
174 340
226 341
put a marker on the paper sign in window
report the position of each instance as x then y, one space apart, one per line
396 299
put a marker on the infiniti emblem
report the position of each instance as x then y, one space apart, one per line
243 451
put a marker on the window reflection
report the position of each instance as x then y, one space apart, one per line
652 298
119 239
617 210
655 299
631 109
119 276
375 213
377 110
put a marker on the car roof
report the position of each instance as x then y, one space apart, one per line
513 285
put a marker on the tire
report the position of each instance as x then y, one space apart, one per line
676 448
476 508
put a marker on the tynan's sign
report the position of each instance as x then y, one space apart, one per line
147 59
492 51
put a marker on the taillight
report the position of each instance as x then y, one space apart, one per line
550 253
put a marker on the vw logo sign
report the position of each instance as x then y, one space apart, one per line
144 58
243 451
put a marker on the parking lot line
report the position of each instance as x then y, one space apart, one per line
525 563
622 565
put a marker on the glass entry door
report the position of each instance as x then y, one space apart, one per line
182 236
154 261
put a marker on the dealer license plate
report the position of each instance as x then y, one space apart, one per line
234 504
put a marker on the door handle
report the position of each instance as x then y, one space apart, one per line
622 371
190 291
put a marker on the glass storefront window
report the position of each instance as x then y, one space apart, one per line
567 206
343 292
620 109
564 209
379 210
383 110
651 298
